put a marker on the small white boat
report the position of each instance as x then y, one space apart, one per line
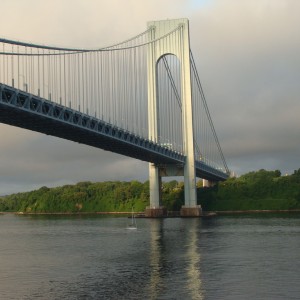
133 224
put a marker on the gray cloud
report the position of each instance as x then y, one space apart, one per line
44 160
248 62
247 53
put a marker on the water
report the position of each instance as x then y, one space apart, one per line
96 257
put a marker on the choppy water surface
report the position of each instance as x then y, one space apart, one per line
94 257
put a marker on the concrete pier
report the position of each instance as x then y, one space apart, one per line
187 211
156 212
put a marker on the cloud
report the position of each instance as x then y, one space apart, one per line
45 160
248 61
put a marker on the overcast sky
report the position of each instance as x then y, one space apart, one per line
248 57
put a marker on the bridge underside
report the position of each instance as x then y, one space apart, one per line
209 173
31 112
24 110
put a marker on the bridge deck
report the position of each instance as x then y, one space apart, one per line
31 112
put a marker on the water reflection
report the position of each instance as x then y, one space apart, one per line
193 255
156 264
174 259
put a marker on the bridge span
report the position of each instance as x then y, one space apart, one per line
141 98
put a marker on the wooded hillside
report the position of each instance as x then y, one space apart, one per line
253 191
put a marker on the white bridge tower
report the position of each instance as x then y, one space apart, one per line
178 45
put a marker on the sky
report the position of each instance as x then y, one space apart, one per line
247 56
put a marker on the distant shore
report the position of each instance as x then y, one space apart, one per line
231 212
222 212
77 213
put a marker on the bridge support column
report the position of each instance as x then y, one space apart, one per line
155 210
190 209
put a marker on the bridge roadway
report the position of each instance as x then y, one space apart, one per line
25 110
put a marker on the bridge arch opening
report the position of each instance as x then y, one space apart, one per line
168 82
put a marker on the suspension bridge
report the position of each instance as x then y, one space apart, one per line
141 98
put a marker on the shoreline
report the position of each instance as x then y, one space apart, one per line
69 213
256 211
218 212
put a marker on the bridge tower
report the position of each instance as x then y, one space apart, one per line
180 47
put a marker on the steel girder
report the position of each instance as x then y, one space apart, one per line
21 109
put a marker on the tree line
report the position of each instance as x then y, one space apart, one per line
252 191
260 190
112 196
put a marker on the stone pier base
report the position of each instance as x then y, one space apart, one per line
195 211
155 212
